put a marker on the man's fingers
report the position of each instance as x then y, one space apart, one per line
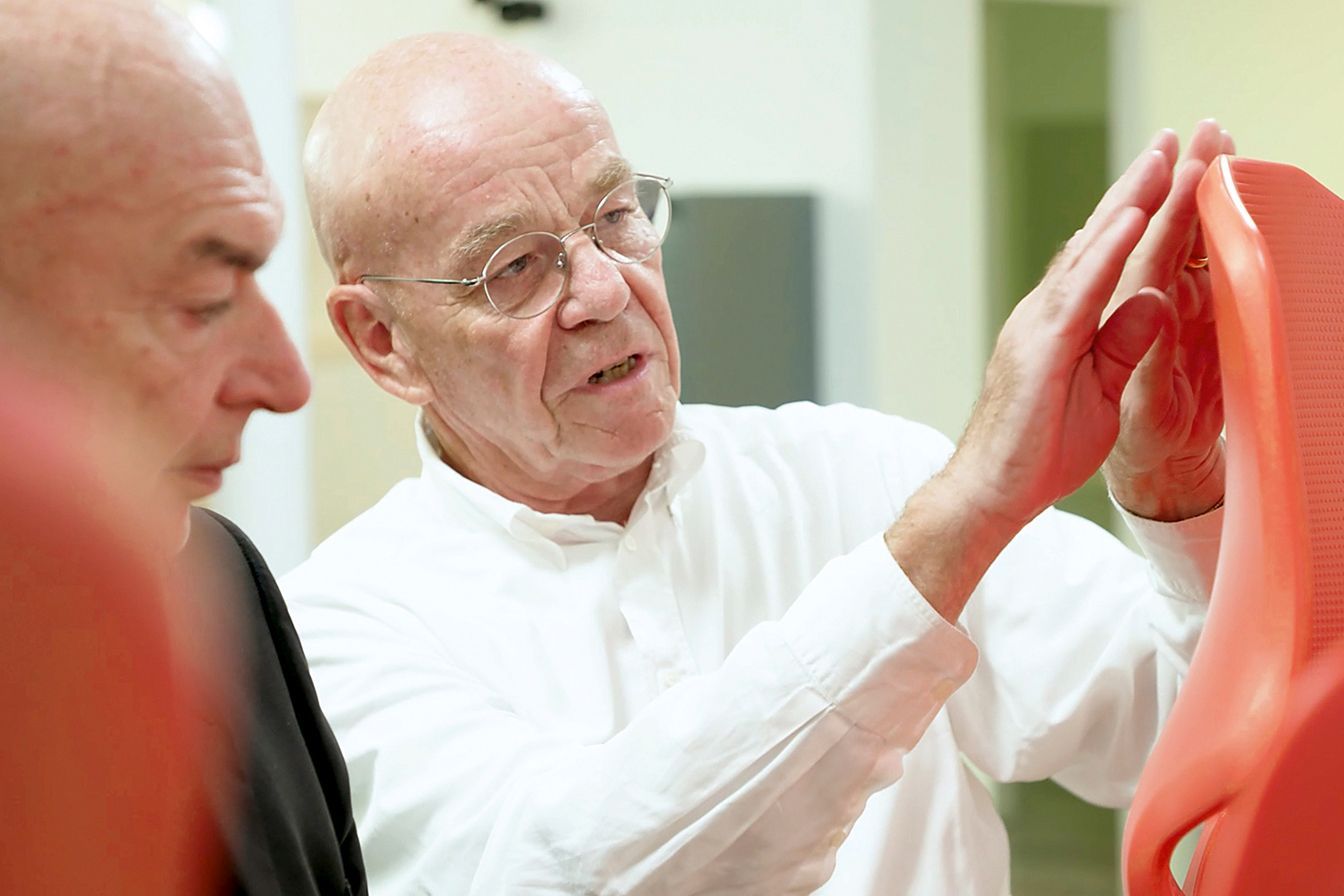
1168 238
1098 270
1145 318
1207 141
1163 145
1143 187
1197 247
1190 296
1166 142
1209 413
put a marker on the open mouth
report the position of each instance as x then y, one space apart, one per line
614 372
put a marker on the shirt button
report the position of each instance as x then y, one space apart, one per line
630 543
668 678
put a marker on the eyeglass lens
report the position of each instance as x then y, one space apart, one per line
526 275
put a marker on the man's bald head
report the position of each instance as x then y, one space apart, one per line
90 87
389 140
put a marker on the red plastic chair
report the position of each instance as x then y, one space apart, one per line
104 725
1289 823
1259 698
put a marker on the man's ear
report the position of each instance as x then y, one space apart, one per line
367 326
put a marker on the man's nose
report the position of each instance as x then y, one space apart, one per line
596 289
269 373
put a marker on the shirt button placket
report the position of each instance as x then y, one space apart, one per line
649 604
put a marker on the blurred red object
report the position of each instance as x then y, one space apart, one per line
104 724
1251 749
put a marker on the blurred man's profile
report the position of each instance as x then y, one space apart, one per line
135 211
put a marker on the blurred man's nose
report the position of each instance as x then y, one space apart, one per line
269 373
596 290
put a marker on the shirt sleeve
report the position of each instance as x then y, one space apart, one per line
1083 645
743 778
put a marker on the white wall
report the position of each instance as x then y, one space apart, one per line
1270 72
929 311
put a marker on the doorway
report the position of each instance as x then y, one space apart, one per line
1047 104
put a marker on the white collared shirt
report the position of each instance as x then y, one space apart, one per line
739 691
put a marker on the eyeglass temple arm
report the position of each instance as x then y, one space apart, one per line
469 282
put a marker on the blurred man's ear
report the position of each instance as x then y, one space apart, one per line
368 327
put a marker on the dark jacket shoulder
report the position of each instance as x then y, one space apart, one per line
294 831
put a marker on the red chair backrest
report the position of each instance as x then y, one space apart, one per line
1276 245
1285 836
103 726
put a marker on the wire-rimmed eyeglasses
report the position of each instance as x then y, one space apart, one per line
526 275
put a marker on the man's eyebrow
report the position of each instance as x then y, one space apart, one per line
217 249
613 174
482 237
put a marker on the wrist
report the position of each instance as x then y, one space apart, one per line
1178 489
946 537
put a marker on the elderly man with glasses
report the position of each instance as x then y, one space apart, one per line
607 643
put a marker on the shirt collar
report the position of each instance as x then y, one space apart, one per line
674 464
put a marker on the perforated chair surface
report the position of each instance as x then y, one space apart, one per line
1275 238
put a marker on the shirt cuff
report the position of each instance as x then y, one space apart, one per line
874 647
1183 554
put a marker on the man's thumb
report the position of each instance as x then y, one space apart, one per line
1127 335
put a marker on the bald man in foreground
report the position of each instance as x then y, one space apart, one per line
135 211
609 643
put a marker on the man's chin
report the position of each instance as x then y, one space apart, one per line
633 443
197 483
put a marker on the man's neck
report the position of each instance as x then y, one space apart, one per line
608 500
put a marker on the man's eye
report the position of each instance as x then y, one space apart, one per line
615 215
512 268
210 311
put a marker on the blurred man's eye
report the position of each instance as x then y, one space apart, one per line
209 311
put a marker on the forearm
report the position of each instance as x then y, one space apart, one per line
699 794
944 540
1082 644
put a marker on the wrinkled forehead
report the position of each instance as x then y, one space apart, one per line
124 128
171 132
541 163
